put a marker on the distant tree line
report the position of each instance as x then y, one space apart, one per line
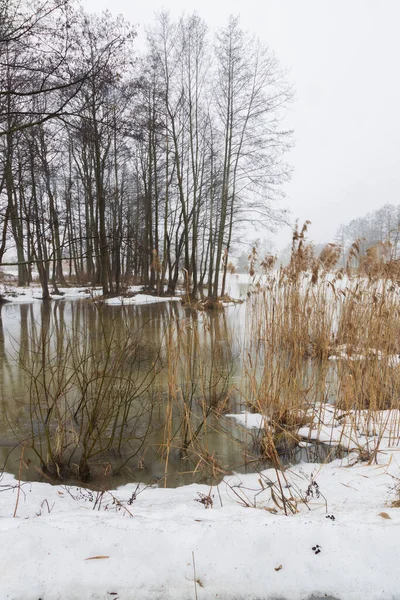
117 165
381 226
379 229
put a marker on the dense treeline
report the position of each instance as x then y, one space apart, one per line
115 164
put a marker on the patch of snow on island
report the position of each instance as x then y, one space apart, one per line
139 299
23 295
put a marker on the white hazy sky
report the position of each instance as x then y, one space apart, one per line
343 57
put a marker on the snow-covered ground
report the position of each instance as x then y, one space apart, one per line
20 295
340 538
343 541
33 293
139 299
355 430
362 430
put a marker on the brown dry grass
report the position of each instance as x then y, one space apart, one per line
301 316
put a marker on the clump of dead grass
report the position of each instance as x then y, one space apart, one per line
301 315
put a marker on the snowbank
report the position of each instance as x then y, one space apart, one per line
169 546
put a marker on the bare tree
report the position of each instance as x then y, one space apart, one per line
118 167
251 95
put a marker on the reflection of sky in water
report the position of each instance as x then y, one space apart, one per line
23 325
212 342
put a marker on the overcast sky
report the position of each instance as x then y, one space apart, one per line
343 57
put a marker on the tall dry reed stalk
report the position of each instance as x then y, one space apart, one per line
301 316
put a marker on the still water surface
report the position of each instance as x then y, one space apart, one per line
191 356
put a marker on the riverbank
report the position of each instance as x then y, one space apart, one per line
148 542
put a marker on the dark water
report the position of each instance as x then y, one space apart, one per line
170 374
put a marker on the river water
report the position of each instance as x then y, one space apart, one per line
153 378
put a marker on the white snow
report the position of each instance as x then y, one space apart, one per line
342 352
363 430
139 299
239 551
249 420
20 295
